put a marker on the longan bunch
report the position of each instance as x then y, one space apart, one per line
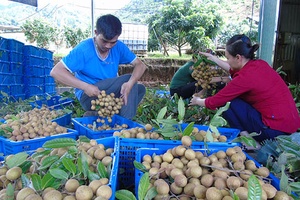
203 74
107 104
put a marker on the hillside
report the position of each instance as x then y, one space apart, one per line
136 11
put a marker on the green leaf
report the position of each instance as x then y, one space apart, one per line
48 161
295 186
41 154
125 195
214 129
151 193
102 170
218 121
10 192
59 174
25 180
82 162
48 181
235 197
37 182
249 141
167 122
139 166
167 133
69 165
79 165
254 188
189 129
17 159
209 136
59 143
162 113
181 109
284 182
73 150
25 166
222 109
197 63
143 185
93 176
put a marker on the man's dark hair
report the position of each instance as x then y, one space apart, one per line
109 26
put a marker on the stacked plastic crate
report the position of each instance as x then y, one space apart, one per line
38 63
16 68
50 85
4 67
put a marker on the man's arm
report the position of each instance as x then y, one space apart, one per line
64 76
138 71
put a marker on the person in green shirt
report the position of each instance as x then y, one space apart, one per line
184 84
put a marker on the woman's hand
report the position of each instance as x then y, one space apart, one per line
209 56
197 101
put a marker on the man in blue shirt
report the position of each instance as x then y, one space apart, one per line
93 65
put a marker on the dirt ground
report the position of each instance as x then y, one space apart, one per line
159 71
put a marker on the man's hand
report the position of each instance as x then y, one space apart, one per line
125 90
91 90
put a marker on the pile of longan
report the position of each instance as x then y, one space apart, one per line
32 124
203 74
107 104
185 173
74 186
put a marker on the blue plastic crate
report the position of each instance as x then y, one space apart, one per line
112 142
4 66
16 68
5 78
50 88
47 72
230 133
17 97
64 120
129 146
16 89
46 53
17 79
15 56
4 88
15 45
162 93
54 102
13 147
34 70
49 63
3 43
29 50
158 151
34 80
49 80
80 124
33 90
4 55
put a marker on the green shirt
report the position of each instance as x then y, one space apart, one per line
182 76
